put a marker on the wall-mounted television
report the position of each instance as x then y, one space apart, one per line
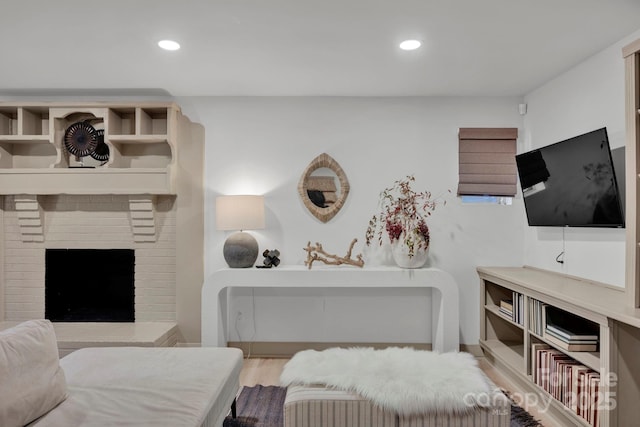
571 183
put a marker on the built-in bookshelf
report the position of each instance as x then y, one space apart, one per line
567 324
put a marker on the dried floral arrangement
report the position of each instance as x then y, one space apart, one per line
317 253
403 214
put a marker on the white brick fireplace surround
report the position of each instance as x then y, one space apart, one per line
148 196
146 224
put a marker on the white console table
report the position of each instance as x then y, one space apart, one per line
445 304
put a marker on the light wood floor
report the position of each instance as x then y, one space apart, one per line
261 371
267 372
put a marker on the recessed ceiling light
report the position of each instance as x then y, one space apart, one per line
410 44
169 44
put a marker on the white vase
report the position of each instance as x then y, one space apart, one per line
400 252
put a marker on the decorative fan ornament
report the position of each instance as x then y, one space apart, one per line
101 153
80 139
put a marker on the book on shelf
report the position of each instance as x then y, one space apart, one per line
544 372
536 352
568 335
507 304
567 382
521 309
577 372
570 326
589 346
506 308
554 360
588 399
518 307
537 316
575 340
505 313
594 400
561 369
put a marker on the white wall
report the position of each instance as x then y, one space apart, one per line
261 145
585 98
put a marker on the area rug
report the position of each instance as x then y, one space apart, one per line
262 406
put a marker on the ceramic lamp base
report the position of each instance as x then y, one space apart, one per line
240 250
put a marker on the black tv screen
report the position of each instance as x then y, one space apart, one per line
571 183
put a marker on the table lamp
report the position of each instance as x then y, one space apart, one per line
240 213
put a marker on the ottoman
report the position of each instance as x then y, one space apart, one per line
496 415
319 406
315 406
403 387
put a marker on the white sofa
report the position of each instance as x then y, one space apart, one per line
114 386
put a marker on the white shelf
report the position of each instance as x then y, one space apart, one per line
510 353
492 308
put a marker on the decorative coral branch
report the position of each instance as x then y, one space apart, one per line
317 253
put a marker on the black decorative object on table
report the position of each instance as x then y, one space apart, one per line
270 258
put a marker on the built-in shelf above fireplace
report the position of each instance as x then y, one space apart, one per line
143 143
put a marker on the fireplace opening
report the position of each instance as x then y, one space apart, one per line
89 285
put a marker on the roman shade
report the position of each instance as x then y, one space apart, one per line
487 164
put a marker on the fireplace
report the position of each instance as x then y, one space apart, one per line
89 285
96 222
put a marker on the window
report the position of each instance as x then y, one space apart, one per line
487 164
487 200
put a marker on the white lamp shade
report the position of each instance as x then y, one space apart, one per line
239 212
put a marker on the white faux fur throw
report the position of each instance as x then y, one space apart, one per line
403 380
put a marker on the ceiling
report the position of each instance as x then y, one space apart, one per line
301 47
